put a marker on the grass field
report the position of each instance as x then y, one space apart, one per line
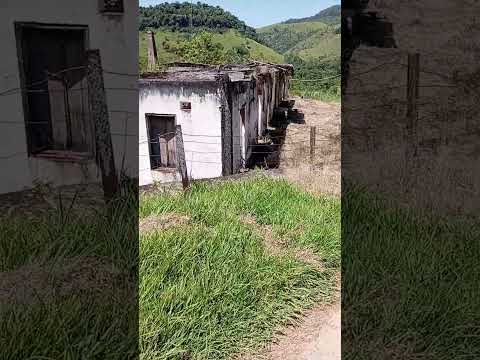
307 92
409 283
247 257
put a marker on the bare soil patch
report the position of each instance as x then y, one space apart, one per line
162 222
279 247
44 200
46 283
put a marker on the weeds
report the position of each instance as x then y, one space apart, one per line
408 283
57 302
210 288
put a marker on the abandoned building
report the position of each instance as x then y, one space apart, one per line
48 132
222 111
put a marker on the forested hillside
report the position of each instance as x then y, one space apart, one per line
191 17
313 46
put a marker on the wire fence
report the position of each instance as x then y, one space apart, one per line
241 152
61 128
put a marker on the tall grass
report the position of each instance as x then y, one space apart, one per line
100 322
210 289
409 283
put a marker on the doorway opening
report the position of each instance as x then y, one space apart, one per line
162 145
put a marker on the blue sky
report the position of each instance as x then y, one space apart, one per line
259 13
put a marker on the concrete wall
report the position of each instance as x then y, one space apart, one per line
201 127
117 38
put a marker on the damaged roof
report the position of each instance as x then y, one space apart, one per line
189 72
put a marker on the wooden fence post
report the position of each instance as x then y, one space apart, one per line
180 157
99 111
412 99
412 118
313 132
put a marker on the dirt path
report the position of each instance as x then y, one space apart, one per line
318 337
323 175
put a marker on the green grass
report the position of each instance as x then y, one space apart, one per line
81 324
210 289
316 94
318 45
410 283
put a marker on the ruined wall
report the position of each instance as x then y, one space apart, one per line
201 127
244 133
273 87
116 37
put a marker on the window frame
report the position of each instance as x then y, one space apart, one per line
19 28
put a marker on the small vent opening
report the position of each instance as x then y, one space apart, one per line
186 106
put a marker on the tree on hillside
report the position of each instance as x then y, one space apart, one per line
201 49
237 55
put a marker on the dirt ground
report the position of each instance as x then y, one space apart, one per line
44 200
322 176
442 175
316 337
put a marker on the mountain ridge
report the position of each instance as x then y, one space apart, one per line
330 15
312 37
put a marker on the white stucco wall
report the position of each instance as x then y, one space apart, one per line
116 37
201 127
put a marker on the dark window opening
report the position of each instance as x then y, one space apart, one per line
186 106
111 6
161 134
52 64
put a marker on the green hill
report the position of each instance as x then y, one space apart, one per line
283 37
232 39
318 45
169 42
313 46
331 15
313 37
